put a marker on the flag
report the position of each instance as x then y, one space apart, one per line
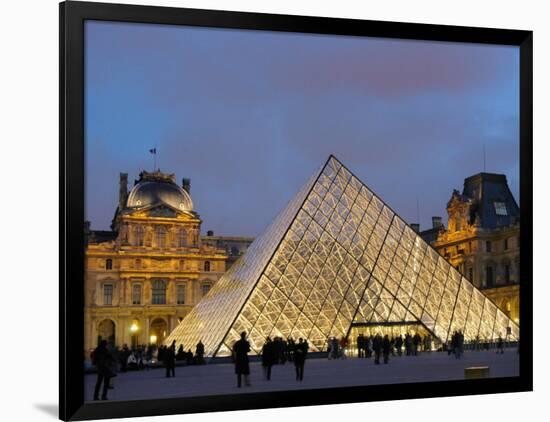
153 151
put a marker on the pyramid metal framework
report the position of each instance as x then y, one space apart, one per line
337 255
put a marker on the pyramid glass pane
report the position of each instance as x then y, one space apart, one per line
335 256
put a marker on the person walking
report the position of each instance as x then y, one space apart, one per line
124 353
399 345
103 360
300 358
199 353
500 345
170 360
377 347
386 348
242 368
267 358
360 345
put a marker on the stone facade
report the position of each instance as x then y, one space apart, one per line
482 239
234 246
142 278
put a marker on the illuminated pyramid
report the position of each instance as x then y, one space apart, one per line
335 257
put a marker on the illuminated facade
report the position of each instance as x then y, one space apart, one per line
337 257
145 275
234 246
482 239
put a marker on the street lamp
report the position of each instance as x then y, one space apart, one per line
133 328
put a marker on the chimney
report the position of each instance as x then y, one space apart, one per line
415 227
436 222
186 185
123 191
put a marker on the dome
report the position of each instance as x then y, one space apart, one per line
158 188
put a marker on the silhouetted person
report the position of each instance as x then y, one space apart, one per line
386 348
267 358
189 357
291 348
399 345
199 353
160 354
300 353
360 345
124 353
181 353
170 360
241 349
103 360
416 342
377 347
500 345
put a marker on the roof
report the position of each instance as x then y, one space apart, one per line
492 200
158 188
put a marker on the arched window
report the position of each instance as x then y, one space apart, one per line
161 237
109 264
207 266
139 235
205 288
182 238
159 292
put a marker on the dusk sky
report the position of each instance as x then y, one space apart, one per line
248 116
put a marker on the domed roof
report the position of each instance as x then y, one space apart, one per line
159 188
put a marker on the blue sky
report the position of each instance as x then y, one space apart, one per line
250 115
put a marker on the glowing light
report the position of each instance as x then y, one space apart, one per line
134 327
153 339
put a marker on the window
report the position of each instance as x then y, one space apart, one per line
505 244
488 246
181 294
458 224
138 264
507 273
182 265
109 264
159 292
489 276
207 266
471 274
139 234
500 208
205 288
161 237
136 294
182 238
108 294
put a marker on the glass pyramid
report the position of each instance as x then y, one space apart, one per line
337 255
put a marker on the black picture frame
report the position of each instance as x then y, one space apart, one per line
72 16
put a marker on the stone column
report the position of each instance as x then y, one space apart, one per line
147 324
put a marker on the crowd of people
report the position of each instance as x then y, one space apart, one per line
411 345
110 360
274 352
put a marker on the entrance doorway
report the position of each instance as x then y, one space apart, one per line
158 331
392 329
106 331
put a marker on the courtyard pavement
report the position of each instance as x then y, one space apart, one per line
216 379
